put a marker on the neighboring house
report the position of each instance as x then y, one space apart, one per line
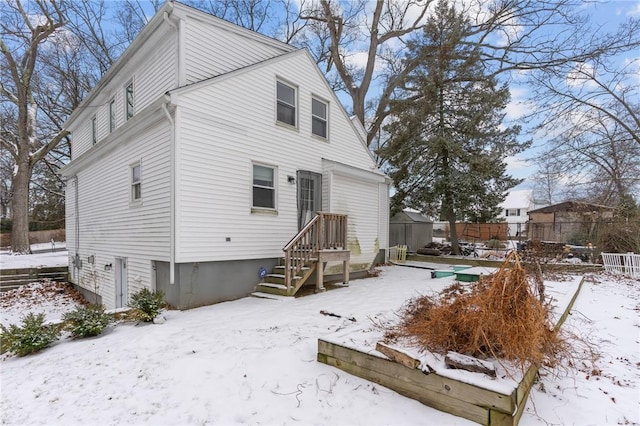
201 154
568 222
411 229
514 211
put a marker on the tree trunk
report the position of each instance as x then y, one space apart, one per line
451 217
20 209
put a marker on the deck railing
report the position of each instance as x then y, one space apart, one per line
325 231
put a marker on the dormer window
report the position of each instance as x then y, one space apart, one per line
286 104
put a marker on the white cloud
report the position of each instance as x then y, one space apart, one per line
635 11
518 167
518 106
581 75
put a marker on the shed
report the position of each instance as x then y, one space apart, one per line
572 222
412 229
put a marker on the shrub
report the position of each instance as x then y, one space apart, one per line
33 336
86 321
147 304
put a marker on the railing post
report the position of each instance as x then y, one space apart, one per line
345 233
287 269
320 243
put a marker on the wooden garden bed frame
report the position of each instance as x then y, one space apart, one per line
471 402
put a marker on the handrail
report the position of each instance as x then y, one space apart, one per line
325 231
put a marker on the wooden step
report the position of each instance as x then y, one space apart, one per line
270 288
279 279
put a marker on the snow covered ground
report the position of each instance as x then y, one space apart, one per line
44 255
253 361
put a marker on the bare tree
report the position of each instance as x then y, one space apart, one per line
25 30
363 43
548 182
372 29
590 113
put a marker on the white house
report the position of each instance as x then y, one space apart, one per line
514 211
201 154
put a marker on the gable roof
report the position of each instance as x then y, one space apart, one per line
518 199
407 216
572 206
163 18
355 125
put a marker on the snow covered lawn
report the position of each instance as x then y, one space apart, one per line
253 361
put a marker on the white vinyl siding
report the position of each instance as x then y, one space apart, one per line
208 56
383 215
109 228
217 127
358 199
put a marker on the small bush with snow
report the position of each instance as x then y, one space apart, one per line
86 321
31 337
147 304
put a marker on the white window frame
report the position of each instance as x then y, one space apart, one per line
324 119
135 183
112 115
129 113
284 103
274 188
94 130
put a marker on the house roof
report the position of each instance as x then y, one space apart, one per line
407 216
160 19
572 206
521 199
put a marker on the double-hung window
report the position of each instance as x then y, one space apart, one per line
129 100
94 130
136 183
286 104
264 190
319 118
112 115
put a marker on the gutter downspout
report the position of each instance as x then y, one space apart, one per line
172 195
76 267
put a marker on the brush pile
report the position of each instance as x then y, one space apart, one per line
499 316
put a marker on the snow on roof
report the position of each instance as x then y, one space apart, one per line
518 199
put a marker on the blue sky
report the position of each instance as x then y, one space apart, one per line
608 15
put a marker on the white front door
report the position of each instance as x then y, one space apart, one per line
121 290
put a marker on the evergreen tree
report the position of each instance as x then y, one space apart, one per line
447 147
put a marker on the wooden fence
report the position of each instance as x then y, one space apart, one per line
11 279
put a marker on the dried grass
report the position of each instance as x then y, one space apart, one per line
500 316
